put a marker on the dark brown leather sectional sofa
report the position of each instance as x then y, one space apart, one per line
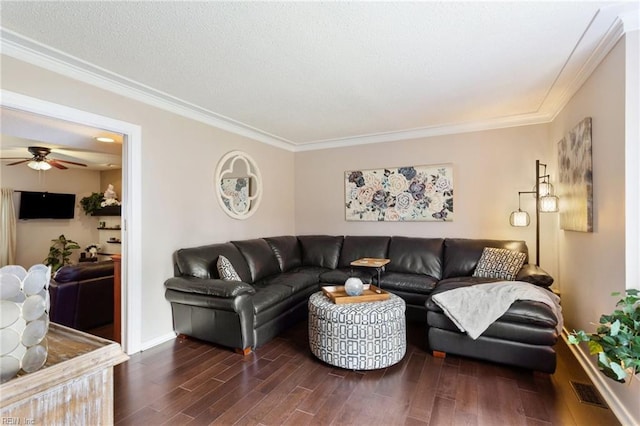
278 275
82 295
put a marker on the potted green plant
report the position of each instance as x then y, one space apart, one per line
617 339
59 253
92 203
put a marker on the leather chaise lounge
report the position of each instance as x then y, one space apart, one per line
278 274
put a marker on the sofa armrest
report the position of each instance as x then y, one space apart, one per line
534 274
209 287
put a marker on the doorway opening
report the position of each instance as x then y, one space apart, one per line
131 239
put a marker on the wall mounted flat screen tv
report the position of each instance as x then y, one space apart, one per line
46 205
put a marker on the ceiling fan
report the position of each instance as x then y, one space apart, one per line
39 161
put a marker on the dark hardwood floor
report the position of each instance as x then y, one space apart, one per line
191 382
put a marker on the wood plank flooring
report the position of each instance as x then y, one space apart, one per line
195 383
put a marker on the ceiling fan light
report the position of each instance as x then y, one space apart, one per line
39 165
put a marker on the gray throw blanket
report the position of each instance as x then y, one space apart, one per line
474 308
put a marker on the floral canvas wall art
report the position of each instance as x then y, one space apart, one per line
576 179
414 193
235 194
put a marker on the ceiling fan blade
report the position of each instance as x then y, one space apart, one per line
70 162
57 165
19 162
14 158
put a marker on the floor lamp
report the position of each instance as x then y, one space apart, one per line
546 202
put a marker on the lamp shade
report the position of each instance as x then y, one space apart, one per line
546 189
549 204
519 218
39 165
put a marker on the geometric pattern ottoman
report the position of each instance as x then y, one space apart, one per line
357 336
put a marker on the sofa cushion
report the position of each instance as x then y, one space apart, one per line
499 263
413 283
527 312
268 295
315 271
455 282
200 262
536 328
354 248
260 258
320 250
339 276
461 255
416 256
226 269
287 251
297 281
535 275
84 271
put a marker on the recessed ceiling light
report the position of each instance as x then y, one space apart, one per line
105 139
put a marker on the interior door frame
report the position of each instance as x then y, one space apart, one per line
131 306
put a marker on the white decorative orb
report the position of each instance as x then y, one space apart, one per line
353 286
9 367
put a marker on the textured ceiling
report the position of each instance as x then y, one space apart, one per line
314 73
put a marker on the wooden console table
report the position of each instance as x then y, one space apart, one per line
75 386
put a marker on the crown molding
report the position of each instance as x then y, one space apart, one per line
425 132
613 34
38 54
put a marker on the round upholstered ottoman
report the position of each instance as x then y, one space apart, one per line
357 336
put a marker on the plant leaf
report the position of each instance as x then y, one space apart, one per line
572 340
595 348
620 373
615 328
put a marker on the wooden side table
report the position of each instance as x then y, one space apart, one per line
372 262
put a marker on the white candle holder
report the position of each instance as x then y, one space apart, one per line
24 319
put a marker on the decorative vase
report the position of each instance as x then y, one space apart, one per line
24 319
353 286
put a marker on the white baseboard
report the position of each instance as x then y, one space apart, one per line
157 341
600 381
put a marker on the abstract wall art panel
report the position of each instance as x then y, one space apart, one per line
576 179
398 194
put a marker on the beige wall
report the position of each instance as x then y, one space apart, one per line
34 236
490 167
113 177
592 265
178 167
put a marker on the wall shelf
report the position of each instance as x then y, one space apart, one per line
108 211
110 221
